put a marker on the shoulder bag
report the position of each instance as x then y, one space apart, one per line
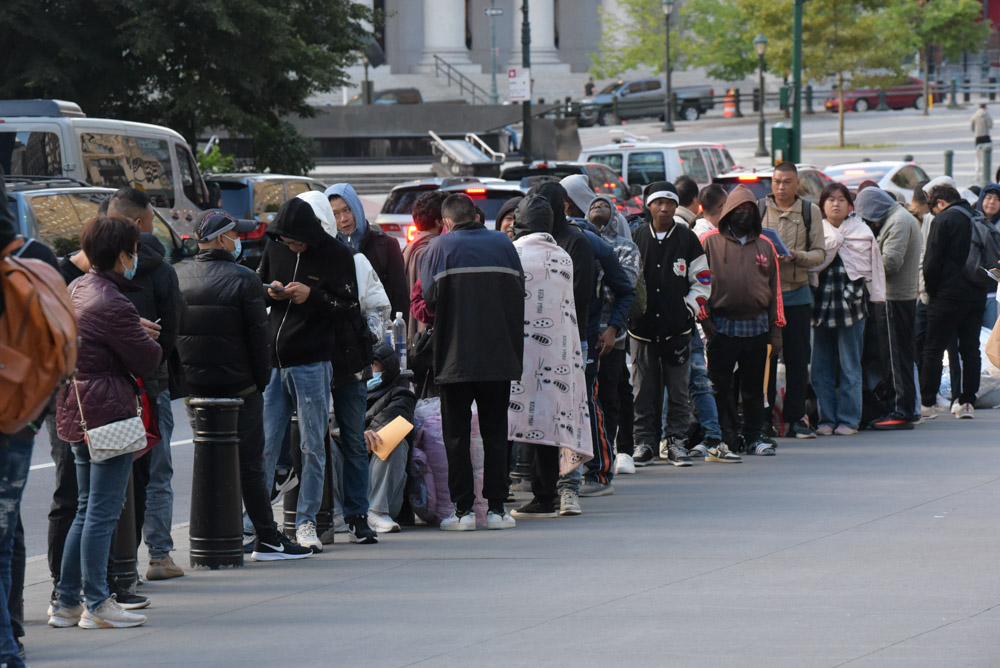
117 438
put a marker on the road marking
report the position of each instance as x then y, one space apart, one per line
49 465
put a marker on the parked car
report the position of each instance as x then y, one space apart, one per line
640 162
258 197
639 98
489 194
392 96
899 178
55 138
903 96
602 178
812 180
54 210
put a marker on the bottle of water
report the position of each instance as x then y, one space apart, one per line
399 338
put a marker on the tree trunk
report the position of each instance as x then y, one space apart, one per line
840 109
927 76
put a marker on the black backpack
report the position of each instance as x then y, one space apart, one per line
984 251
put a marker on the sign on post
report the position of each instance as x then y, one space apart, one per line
519 82
493 11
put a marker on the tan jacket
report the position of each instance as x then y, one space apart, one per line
981 123
789 226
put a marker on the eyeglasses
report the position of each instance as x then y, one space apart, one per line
292 243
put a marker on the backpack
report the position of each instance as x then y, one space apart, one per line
984 251
38 337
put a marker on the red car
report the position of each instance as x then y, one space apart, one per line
903 96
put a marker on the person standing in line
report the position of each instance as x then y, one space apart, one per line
712 198
687 193
473 265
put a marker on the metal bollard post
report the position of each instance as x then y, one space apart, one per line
809 100
124 570
992 88
953 98
216 528
966 96
987 150
949 161
882 106
736 96
614 111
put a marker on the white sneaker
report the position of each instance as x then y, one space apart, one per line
624 464
110 615
382 523
61 617
498 521
928 412
956 408
453 522
569 502
966 412
305 536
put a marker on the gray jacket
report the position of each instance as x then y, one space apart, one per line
901 244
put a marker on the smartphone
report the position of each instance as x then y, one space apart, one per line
276 288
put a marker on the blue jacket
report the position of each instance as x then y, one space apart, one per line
473 283
611 275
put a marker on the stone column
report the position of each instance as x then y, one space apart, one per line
541 14
444 36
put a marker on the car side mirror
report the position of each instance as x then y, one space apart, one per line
189 247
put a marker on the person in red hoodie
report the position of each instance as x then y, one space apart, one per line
742 318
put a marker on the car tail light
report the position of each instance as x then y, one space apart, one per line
256 234
390 227
476 193
411 232
748 179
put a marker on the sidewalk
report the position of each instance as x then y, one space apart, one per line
873 550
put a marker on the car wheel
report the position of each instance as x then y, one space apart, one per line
690 113
861 105
601 118
919 102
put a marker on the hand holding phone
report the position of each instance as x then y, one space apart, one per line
277 287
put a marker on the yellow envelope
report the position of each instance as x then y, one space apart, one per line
392 435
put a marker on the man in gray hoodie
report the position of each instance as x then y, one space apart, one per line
898 236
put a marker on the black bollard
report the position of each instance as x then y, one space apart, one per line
291 498
124 570
216 528
324 518
520 477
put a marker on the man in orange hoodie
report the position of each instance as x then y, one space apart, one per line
742 318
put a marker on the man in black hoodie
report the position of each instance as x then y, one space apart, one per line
956 304
315 320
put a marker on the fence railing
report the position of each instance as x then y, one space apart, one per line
465 84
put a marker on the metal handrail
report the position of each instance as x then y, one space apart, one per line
463 81
475 140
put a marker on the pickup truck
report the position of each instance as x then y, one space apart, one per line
641 98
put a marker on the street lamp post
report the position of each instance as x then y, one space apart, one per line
526 63
760 46
796 148
668 112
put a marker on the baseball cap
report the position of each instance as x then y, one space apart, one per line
214 222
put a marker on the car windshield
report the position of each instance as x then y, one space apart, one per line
759 186
560 172
235 198
607 90
852 176
401 201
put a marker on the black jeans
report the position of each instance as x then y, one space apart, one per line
544 473
609 380
492 399
724 354
895 322
624 441
796 352
15 598
945 318
64 498
954 361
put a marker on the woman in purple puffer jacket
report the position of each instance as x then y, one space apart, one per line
114 348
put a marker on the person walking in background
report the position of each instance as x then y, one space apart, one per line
853 261
471 265
114 349
981 124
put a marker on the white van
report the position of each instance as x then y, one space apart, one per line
641 162
55 138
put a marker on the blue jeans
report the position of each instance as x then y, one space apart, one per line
702 395
15 461
838 349
350 401
304 389
159 493
85 556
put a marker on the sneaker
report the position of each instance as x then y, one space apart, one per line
722 454
761 448
61 617
129 601
673 451
928 412
305 535
700 451
339 525
956 408
643 455
283 482
800 429
892 423
624 464
569 504
248 542
382 523
594 488
824 430
499 519
966 412
456 522
278 548
535 509
359 531
163 569
110 615
844 430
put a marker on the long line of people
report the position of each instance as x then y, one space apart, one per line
535 323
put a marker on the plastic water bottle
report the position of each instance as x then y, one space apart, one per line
399 338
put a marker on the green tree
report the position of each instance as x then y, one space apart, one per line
635 38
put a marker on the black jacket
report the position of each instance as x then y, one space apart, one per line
946 253
225 340
387 260
329 324
393 398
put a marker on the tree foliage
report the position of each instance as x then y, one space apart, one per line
238 65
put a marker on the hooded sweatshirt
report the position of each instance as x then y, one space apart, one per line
899 241
991 188
382 251
745 277
618 235
579 192
306 333
947 251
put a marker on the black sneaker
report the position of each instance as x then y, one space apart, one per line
360 532
130 601
283 482
536 509
643 455
278 547
800 429
892 423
